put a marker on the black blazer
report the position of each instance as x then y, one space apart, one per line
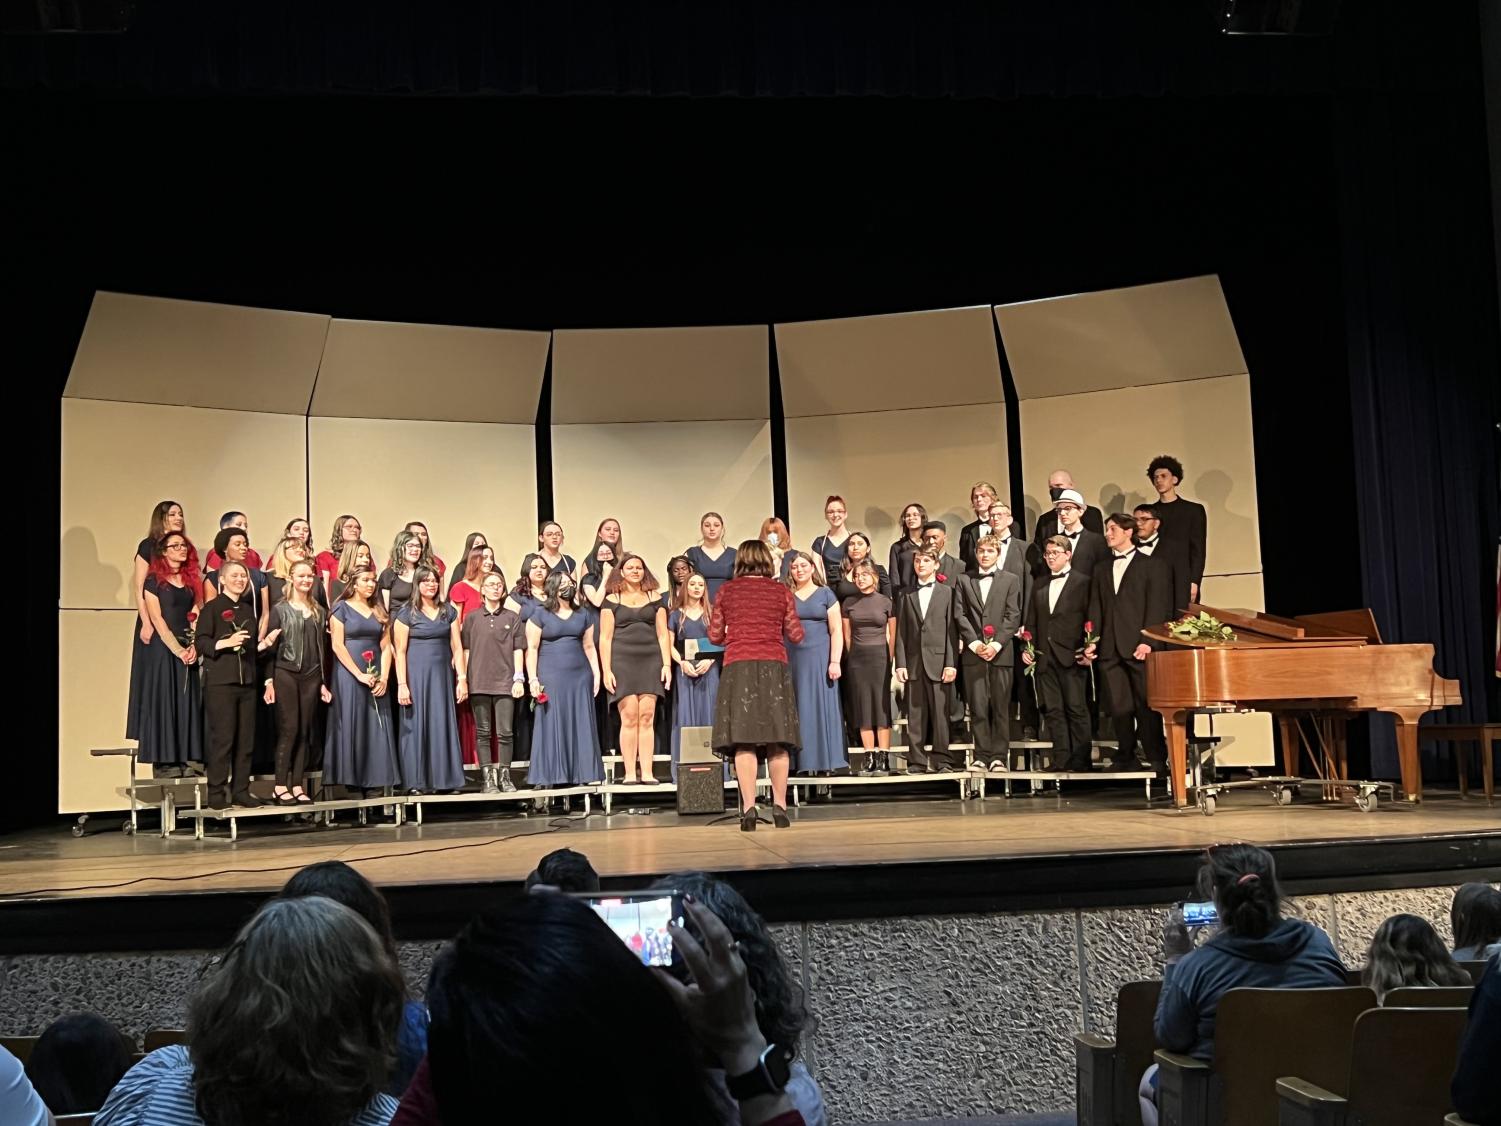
1144 599
1002 611
1173 556
950 568
929 640
1187 522
1018 561
1091 552
1047 523
1059 633
225 666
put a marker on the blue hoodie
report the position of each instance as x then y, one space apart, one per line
1293 955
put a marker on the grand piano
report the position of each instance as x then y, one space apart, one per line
1318 663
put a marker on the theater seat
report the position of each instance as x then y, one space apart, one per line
163 1037
19 1046
1107 1072
1429 997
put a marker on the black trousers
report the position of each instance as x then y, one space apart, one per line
229 713
989 687
296 721
1022 689
1064 689
1135 722
928 710
492 713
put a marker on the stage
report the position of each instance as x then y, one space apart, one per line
899 853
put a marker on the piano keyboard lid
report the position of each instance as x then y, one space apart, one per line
1256 629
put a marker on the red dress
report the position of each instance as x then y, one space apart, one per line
466 599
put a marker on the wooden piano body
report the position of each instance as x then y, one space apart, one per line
1315 663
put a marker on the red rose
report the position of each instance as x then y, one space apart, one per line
368 655
1088 627
1025 635
227 615
541 697
989 631
192 615
942 577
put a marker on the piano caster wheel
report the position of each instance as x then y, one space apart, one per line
1366 802
1284 797
1207 803
127 828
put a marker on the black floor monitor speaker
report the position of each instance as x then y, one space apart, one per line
700 787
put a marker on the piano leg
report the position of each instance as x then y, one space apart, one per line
1176 729
1292 745
1407 752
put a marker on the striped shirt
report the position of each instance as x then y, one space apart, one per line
158 1091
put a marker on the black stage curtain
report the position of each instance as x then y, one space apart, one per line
1425 387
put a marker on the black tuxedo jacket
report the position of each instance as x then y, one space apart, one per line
1018 561
1091 552
950 568
1187 522
1172 556
1047 523
1059 632
1119 616
1002 611
926 643
969 535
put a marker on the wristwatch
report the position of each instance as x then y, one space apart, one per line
768 1077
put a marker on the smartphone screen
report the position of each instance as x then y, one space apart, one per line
639 919
1200 915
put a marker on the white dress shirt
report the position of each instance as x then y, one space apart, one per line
1146 547
1118 567
1005 547
1055 588
924 597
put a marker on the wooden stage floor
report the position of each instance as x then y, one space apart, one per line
463 846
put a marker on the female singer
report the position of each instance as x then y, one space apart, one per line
396 580
778 542
857 551
828 548
429 559
494 641
816 668
284 556
346 532
609 531
756 712
678 570
550 547
635 659
564 673
232 546
465 597
711 557
294 679
598 569
697 685
166 517
233 519
356 556
471 541
299 531
170 707
427 653
360 744
899 561
226 644
530 590
869 641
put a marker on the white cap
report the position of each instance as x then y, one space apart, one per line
1070 496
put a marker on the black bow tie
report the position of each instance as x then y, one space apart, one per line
1059 575
1125 554
1148 543
1073 535
987 574
925 586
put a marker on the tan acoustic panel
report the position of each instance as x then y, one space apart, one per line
92 692
1106 439
1144 334
456 477
439 373
192 353
660 374
120 459
658 479
945 357
882 462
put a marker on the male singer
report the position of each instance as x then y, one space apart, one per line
982 498
925 664
1047 519
1172 554
1088 547
988 613
1127 596
1055 618
1181 519
935 538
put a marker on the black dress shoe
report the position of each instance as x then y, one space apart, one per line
248 800
779 817
1116 765
219 801
748 820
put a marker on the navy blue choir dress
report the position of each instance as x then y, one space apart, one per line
565 743
819 710
694 695
716 572
428 747
832 554
170 721
360 743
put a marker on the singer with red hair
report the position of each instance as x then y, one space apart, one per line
170 708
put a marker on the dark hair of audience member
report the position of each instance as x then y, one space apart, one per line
333 879
77 1061
1406 950
1476 916
537 996
297 1021
1242 881
565 870
781 1012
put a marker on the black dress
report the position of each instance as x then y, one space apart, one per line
171 702
635 656
138 650
867 664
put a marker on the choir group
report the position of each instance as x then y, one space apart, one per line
291 658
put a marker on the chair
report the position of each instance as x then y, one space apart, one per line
19 1046
75 1119
1107 1072
1429 997
1260 1036
163 1037
1474 969
1401 1062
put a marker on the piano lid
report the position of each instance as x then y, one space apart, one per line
1255 629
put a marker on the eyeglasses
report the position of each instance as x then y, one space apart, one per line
1054 553
175 546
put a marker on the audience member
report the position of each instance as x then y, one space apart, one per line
1256 947
294 1023
1476 919
77 1061
20 1105
1476 1094
781 1013
1406 950
564 870
333 879
516 1015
